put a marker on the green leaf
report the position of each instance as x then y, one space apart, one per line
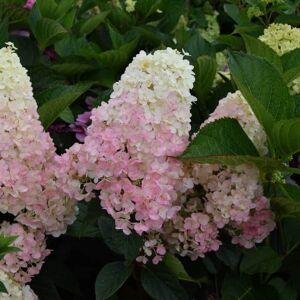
285 291
161 285
48 31
285 207
197 46
70 45
286 137
233 12
3 288
172 10
261 259
120 19
86 223
5 242
73 66
263 88
234 42
67 115
291 65
229 255
116 38
293 191
117 241
222 137
225 142
174 265
258 48
48 9
236 287
69 18
293 20
205 72
92 23
57 99
145 8
111 278
64 6
117 58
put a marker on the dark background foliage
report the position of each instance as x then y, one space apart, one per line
73 52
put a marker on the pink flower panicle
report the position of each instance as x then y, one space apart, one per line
27 262
29 187
125 154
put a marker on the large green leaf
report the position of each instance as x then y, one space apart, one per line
92 23
258 48
291 65
117 241
286 136
223 137
57 99
225 142
162 285
263 88
48 31
111 278
261 259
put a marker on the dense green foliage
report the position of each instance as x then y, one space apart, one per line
75 51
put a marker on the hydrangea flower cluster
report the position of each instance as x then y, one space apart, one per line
126 152
127 156
24 264
15 290
130 5
234 195
29 187
283 38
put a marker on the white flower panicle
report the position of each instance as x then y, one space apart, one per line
158 77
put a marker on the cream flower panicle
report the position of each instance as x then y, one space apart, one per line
283 38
